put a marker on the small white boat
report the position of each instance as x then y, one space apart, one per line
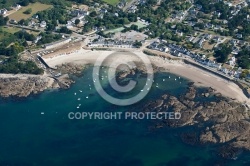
87 97
75 93
79 99
80 91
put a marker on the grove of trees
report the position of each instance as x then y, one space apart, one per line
222 53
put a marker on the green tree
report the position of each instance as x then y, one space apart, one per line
243 59
244 74
28 11
93 14
3 20
222 53
25 2
137 44
77 21
21 22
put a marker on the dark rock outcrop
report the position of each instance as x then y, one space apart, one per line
222 121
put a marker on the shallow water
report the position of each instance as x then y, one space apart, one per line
36 131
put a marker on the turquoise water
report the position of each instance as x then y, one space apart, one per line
36 131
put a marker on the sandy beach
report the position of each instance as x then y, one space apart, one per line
200 77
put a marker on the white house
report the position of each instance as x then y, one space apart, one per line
17 6
69 24
3 11
43 24
231 63
166 49
239 35
13 21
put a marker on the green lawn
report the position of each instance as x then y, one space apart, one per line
10 29
114 30
3 35
112 2
138 23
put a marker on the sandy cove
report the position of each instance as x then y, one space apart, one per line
198 76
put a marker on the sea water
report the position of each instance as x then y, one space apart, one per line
36 131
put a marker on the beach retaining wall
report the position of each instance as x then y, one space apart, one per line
244 90
209 70
45 64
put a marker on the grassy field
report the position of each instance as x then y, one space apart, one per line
36 7
140 24
114 30
112 2
10 29
13 30
208 46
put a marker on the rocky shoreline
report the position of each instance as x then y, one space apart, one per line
23 85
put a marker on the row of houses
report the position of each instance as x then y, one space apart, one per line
111 43
77 14
205 37
179 51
